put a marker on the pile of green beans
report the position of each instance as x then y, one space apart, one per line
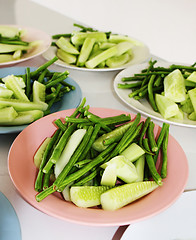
151 80
84 164
55 82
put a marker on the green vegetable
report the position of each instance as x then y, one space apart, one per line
133 152
192 95
66 46
118 197
40 152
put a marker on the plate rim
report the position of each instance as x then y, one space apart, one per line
16 129
119 94
45 44
99 222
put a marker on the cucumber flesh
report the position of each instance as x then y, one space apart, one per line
5 93
6 58
139 165
26 117
40 152
66 46
109 176
87 196
166 106
125 170
19 105
66 57
133 152
192 77
39 92
7 115
12 84
120 196
9 32
174 86
85 51
117 61
69 149
8 48
192 95
19 80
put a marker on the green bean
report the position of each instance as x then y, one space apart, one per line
151 94
74 158
81 163
91 141
151 138
181 67
28 82
126 79
60 124
88 178
42 76
144 129
158 81
57 80
130 85
38 182
164 128
116 119
164 154
151 64
46 180
44 66
94 119
61 144
134 93
76 120
51 102
157 178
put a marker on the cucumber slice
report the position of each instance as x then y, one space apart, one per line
125 170
9 32
179 116
26 117
12 84
39 92
19 80
87 196
118 197
6 58
139 165
117 61
123 47
192 116
7 115
192 95
17 54
79 37
93 62
19 105
5 93
192 77
133 152
66 57
174 86
166 106
85 51
66 46
69 149
8 48
116 38
109 176
40 151
187 106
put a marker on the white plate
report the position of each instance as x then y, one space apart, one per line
141 53
143 105
32 35
178 222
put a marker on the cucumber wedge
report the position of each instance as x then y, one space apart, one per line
40 151
26 117
19 80
87 196
192 95
66 57
66 46
7 115
174 86
117 61
109 176
133 152
39 92
8 48
125 170
192 77
12 84
19 105
166 106
6 58
9 32
5 93
118 197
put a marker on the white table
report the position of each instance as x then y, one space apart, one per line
98 90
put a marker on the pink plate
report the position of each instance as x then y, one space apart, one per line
23 172
32 34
